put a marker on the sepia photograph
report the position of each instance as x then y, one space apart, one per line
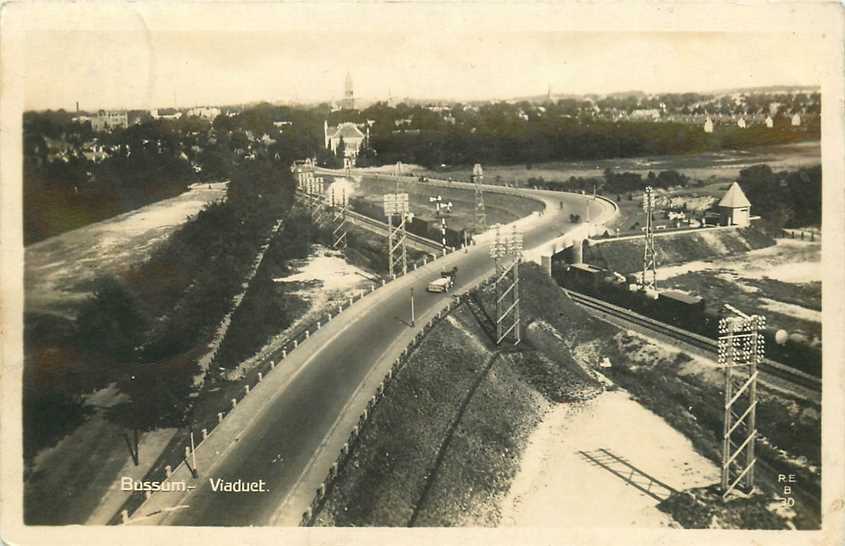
511 268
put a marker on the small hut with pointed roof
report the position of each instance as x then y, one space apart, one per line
735 208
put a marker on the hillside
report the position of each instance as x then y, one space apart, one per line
626 256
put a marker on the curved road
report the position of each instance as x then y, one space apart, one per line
290 442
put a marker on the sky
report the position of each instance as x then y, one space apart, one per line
139 67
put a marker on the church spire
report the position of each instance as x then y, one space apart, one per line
348 93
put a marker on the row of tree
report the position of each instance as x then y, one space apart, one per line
145 329
784 198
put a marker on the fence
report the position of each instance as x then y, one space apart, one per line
801 234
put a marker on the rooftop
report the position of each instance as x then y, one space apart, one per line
734 198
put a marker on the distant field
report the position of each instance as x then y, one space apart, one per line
500 208
713 166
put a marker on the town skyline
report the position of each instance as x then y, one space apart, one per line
166 69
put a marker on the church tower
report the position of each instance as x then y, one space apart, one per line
348 93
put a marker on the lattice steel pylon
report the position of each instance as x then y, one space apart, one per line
649 273
338 205
317 199
741 349
396 204
480 212
506 246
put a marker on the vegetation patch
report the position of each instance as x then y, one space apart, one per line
714 287
703 508
384 480
626 256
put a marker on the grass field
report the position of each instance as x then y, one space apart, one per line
500 208
711 166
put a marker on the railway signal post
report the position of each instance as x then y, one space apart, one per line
506 252
442 210
741 350
396 204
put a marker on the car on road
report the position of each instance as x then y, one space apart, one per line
441 284
445 282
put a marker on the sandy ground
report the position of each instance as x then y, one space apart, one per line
788 261
325 269
57 269
792 310
606 463
322 279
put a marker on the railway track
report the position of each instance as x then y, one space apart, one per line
427 245
775 373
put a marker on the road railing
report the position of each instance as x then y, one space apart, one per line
180 464
354 438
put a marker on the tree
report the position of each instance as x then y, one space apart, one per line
159 396
110 324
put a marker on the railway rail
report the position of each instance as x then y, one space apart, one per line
799 383
381 227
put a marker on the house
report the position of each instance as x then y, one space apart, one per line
110 119
349 132
165 113
770 122
741 123
796 120
205 112
708 125
734 208
646 114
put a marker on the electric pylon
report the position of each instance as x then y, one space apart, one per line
396 204
480 212
741 350
338 205
649 273
507 246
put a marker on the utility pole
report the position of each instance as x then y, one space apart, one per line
442 209
480 212
396 204
741 350
507 283
648 279
413 318
194 470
